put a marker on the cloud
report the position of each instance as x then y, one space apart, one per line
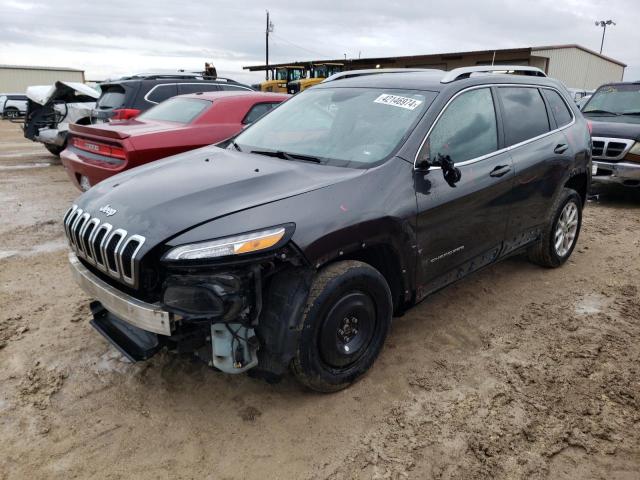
121 36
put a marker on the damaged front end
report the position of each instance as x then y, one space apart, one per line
234 315
51 109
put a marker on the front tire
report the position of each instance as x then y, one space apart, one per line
561 234
345 323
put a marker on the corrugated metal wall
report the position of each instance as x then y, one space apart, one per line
16 80
580 69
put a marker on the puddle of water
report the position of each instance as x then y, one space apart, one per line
46 247
590 304
26 166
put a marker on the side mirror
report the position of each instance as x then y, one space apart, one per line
450 172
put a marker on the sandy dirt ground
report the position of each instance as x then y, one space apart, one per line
516 372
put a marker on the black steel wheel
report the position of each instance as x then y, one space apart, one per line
345 324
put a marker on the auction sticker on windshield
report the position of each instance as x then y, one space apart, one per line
398 101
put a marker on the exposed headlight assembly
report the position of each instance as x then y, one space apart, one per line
229 246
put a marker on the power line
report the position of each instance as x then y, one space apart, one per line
300 47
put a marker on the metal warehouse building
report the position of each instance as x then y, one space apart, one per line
574 65
16 78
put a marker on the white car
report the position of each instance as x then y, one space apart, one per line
13 105
53 108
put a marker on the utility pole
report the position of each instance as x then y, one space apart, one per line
603 24
268 30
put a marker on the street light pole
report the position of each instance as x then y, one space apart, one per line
603 24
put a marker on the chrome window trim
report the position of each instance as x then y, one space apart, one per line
131 280
123 236
502 150
607 140
182 83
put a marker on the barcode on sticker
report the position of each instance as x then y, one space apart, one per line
398 101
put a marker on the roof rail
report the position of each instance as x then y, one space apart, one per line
465 72
372 71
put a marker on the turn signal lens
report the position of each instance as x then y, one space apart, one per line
236 245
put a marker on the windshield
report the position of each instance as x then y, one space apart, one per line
179 110
353 127
616 99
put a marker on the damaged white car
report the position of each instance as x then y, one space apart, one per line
52 108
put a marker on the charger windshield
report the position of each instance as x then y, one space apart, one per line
353 127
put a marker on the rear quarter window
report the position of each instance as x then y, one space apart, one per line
525 114
160 93
558 107
258 110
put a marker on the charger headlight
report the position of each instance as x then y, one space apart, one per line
229 246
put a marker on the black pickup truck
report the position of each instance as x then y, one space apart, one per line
294 245
613 113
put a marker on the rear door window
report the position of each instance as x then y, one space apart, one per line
179 110
559 108
184 88
160 93
525 114
467 129
112 97
257 111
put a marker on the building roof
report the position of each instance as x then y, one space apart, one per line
579 47
354 62
31 67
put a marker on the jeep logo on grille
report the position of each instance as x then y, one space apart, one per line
108 211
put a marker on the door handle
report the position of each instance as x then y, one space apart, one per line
561 148
500 170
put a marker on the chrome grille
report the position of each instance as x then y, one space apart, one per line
113 251
611 149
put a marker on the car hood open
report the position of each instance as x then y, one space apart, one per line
168 197
67 91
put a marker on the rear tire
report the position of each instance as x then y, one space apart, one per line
11 112
561 234
55 149
345 323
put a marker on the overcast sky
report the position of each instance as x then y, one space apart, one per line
115 37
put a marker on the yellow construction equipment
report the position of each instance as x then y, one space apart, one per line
318 72
280 77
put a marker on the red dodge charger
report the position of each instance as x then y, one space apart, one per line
96 152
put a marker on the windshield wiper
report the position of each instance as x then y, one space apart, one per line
287 156
236 146
631 113
606 112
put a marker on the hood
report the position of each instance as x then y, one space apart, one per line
66 91
615 127
167 197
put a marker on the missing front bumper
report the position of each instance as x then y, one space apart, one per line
147 316
133 342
